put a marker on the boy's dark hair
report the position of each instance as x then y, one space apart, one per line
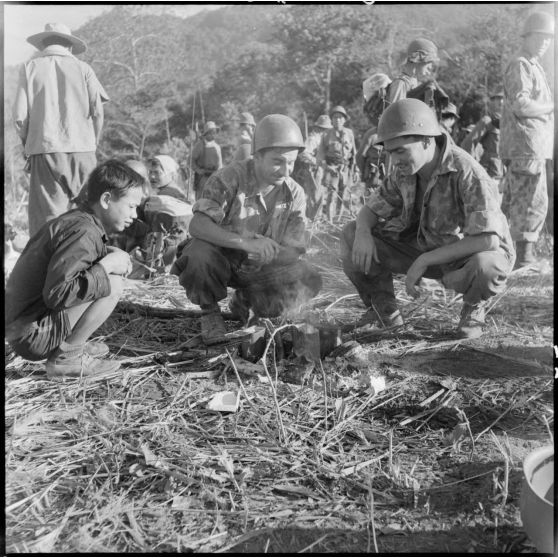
112 176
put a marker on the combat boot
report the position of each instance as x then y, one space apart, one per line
385 315
472 320
213 328
525 254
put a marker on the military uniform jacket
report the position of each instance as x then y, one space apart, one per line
460 200
231 198
526 137
337 148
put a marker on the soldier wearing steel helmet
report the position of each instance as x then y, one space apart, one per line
307 171
336 155
420 65
527 137
436 216
248 233
247 127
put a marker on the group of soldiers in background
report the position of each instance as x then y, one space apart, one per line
430 210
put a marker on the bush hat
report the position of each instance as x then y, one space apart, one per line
57 30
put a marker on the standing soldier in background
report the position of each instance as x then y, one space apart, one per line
206 157
58 115
247 127
371 158
486 134
307 171
448 119
336 155
422 57
527 137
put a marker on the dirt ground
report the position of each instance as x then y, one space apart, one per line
432 464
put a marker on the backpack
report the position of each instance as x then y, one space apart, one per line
375 91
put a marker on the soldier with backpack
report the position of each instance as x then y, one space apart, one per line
336 155
371 158
486 134
527 137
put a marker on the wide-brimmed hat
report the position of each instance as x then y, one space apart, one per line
247 118
57 30
210 126
323 121
340 110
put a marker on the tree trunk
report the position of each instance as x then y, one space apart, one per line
328 88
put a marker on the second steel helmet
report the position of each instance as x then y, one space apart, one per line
539 22
340 110
407 117
247 118
323 121
422 50
277 130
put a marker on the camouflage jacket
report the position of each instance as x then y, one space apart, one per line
230 198
460 200
337 148
524 137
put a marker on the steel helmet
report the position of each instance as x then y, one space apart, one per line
247 118
407 117
374 83
539 22
323 121
450 109
340 110
277 130
422 50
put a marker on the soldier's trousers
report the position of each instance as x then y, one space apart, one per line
477 277
56 180
336 190
205 271
525 198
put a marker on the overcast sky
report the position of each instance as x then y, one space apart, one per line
20 21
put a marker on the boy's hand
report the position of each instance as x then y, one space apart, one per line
117 262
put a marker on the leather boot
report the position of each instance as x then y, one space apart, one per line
525 254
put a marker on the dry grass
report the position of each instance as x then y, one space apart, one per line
137 463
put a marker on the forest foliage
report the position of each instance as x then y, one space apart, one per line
166 75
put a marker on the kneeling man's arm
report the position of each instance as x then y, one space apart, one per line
364 248
204 228
467 246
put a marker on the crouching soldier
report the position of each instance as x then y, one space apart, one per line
248 233
437 215
68 281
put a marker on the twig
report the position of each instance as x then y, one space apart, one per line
372 522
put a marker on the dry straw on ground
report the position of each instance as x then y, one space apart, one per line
136 462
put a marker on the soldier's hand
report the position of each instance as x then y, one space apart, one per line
364 251
261 249
117 262
414 275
